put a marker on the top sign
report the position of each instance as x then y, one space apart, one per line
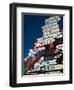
52 19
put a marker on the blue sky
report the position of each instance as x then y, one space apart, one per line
32 30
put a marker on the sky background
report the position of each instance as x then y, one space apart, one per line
32 30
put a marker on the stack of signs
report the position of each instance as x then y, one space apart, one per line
47 54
